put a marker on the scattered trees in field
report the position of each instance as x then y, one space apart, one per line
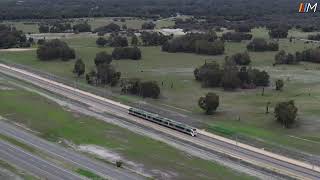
209 103
81 27
230 77
105 73
60 28
133 53
236 36
283 58
279 85
260 44
148 25
309 55
242 59
10 37
153 38
137 87
195 43
286 113
79 67
55 49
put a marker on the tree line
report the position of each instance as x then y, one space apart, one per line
10 37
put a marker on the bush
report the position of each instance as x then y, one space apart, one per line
102 57
133 53
278 32
144 89
209 103
286 113
195 43
283 58
236 36
259 44
82 27
150 89
55 49
153 39
110 28
101 41
148 25
118 41
119 163
241 58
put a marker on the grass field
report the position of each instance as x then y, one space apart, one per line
249 105
55 123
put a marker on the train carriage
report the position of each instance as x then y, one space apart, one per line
155 118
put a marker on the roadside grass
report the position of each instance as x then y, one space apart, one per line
89 174
55 123
18 143
249 105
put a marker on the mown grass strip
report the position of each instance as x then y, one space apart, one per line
89 174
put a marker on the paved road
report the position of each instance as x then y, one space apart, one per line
33 164
102 169
203 142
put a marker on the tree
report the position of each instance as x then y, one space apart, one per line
150 89
110 28
148 25
286 113
209 103
102 58
241 58
260 44
82 27
209 74
230 79
55 49
278 32
279 84
44 28
101 41
133 53
79 67
118 41
134 40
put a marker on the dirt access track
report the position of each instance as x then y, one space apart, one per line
17 49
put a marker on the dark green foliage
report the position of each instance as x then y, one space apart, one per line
134 40
133 53
44 28
283 58
148 25
286 113
279 84
209 103
60 28
106 74
119 163
153 38
41 41
260 44
259 78
236 36
101 41
309 55
79 67
10 37
242 28
144 89
315 37
82 27
241 58
195 43
110 28
230 79
150 89
209 74
278 32
118 41
102 58
55 49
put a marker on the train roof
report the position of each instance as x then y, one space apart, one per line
167 119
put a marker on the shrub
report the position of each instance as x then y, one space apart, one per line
55 49
209 103
286 113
